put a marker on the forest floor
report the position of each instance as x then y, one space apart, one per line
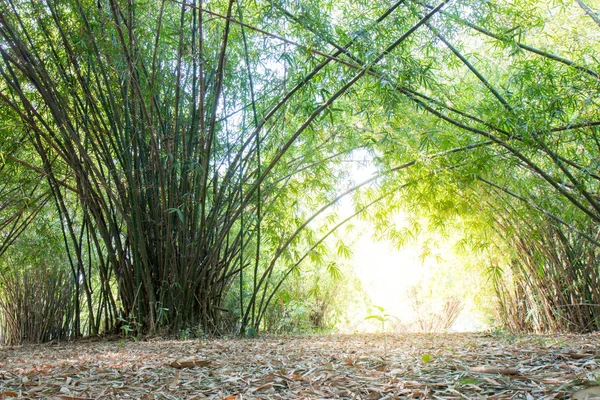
435 366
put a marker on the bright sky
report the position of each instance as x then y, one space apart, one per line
388 275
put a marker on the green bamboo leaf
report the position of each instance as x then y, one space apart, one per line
178 211
334 271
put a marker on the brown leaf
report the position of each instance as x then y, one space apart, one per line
495 370
262 387
412 384
189 362
67 398
580 355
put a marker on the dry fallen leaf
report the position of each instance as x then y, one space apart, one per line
189 362
581 355
495 370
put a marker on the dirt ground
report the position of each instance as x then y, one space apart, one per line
432 366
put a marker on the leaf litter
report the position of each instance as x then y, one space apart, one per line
415 366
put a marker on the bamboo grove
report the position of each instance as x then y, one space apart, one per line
192 151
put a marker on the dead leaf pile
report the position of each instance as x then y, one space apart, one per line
435 366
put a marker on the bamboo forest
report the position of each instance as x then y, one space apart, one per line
298 199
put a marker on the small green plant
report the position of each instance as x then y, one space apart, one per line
162 314
382 317
185 334
251 332
129 327
426 358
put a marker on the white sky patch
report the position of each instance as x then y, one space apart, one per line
391 276
387 274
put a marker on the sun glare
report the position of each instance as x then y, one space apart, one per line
411 291
436 292
387 275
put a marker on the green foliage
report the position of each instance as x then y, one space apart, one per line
381 316
313 300
37 298
251 332
130 328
